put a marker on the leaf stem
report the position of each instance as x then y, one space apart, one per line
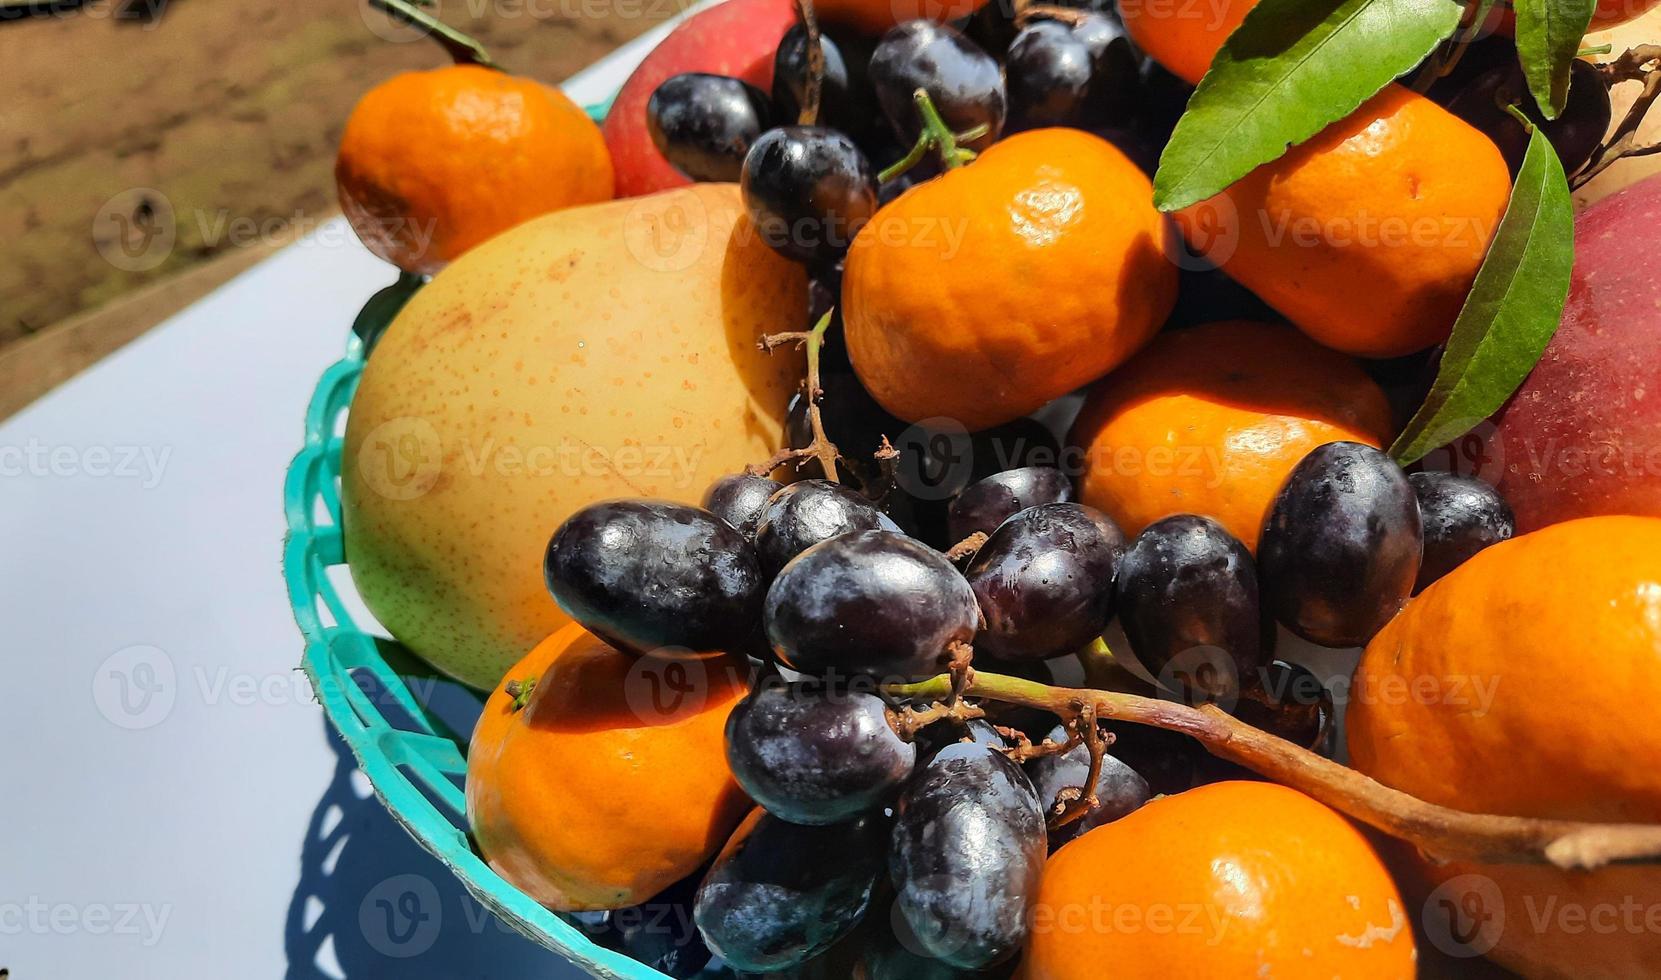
459 46
1441 832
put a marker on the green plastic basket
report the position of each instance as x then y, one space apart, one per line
416 766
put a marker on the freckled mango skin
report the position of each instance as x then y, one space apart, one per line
598 352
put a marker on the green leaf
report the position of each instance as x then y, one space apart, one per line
1511 314
1292 68
1548 39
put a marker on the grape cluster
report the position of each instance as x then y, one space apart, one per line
810 184
944 816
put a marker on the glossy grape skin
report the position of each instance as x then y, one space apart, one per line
1044 581
968 847
780 893
805 513
646 574
1189 605
1460 516
983 505
1574 134
870 603
816 756
965 82
1047 71
846 102
1285 699
893 953
1340 549
1115 71
739 499
704 124
808 191
1120 788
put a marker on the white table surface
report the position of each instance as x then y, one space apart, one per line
172 804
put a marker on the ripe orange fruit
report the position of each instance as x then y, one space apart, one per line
434 162
983 294
1234 879
1524 682
874 17
1367 237
1182 36
1211 420
611 783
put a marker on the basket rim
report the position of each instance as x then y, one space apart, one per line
383 752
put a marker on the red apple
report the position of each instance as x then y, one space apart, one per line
1583 434
734 38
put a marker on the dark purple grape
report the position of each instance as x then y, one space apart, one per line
984 505
808 190
1285 699
705 124
1120 788
1461 516
967 850
893 953
739 500
870 603
803 514
1188 602
1340 549
814 755
646 574
780 893
964 82
1115 71
659 932
1048 73
946 732
1168 760
846 101
1575 133
1044 581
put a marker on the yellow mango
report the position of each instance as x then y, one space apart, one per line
592 353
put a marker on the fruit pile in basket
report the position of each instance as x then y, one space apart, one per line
950 490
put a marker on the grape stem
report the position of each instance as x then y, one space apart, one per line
808 115
463 49
1443 833
937 137
967 548
821 448
1638 64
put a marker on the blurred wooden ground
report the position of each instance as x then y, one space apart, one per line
227 111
